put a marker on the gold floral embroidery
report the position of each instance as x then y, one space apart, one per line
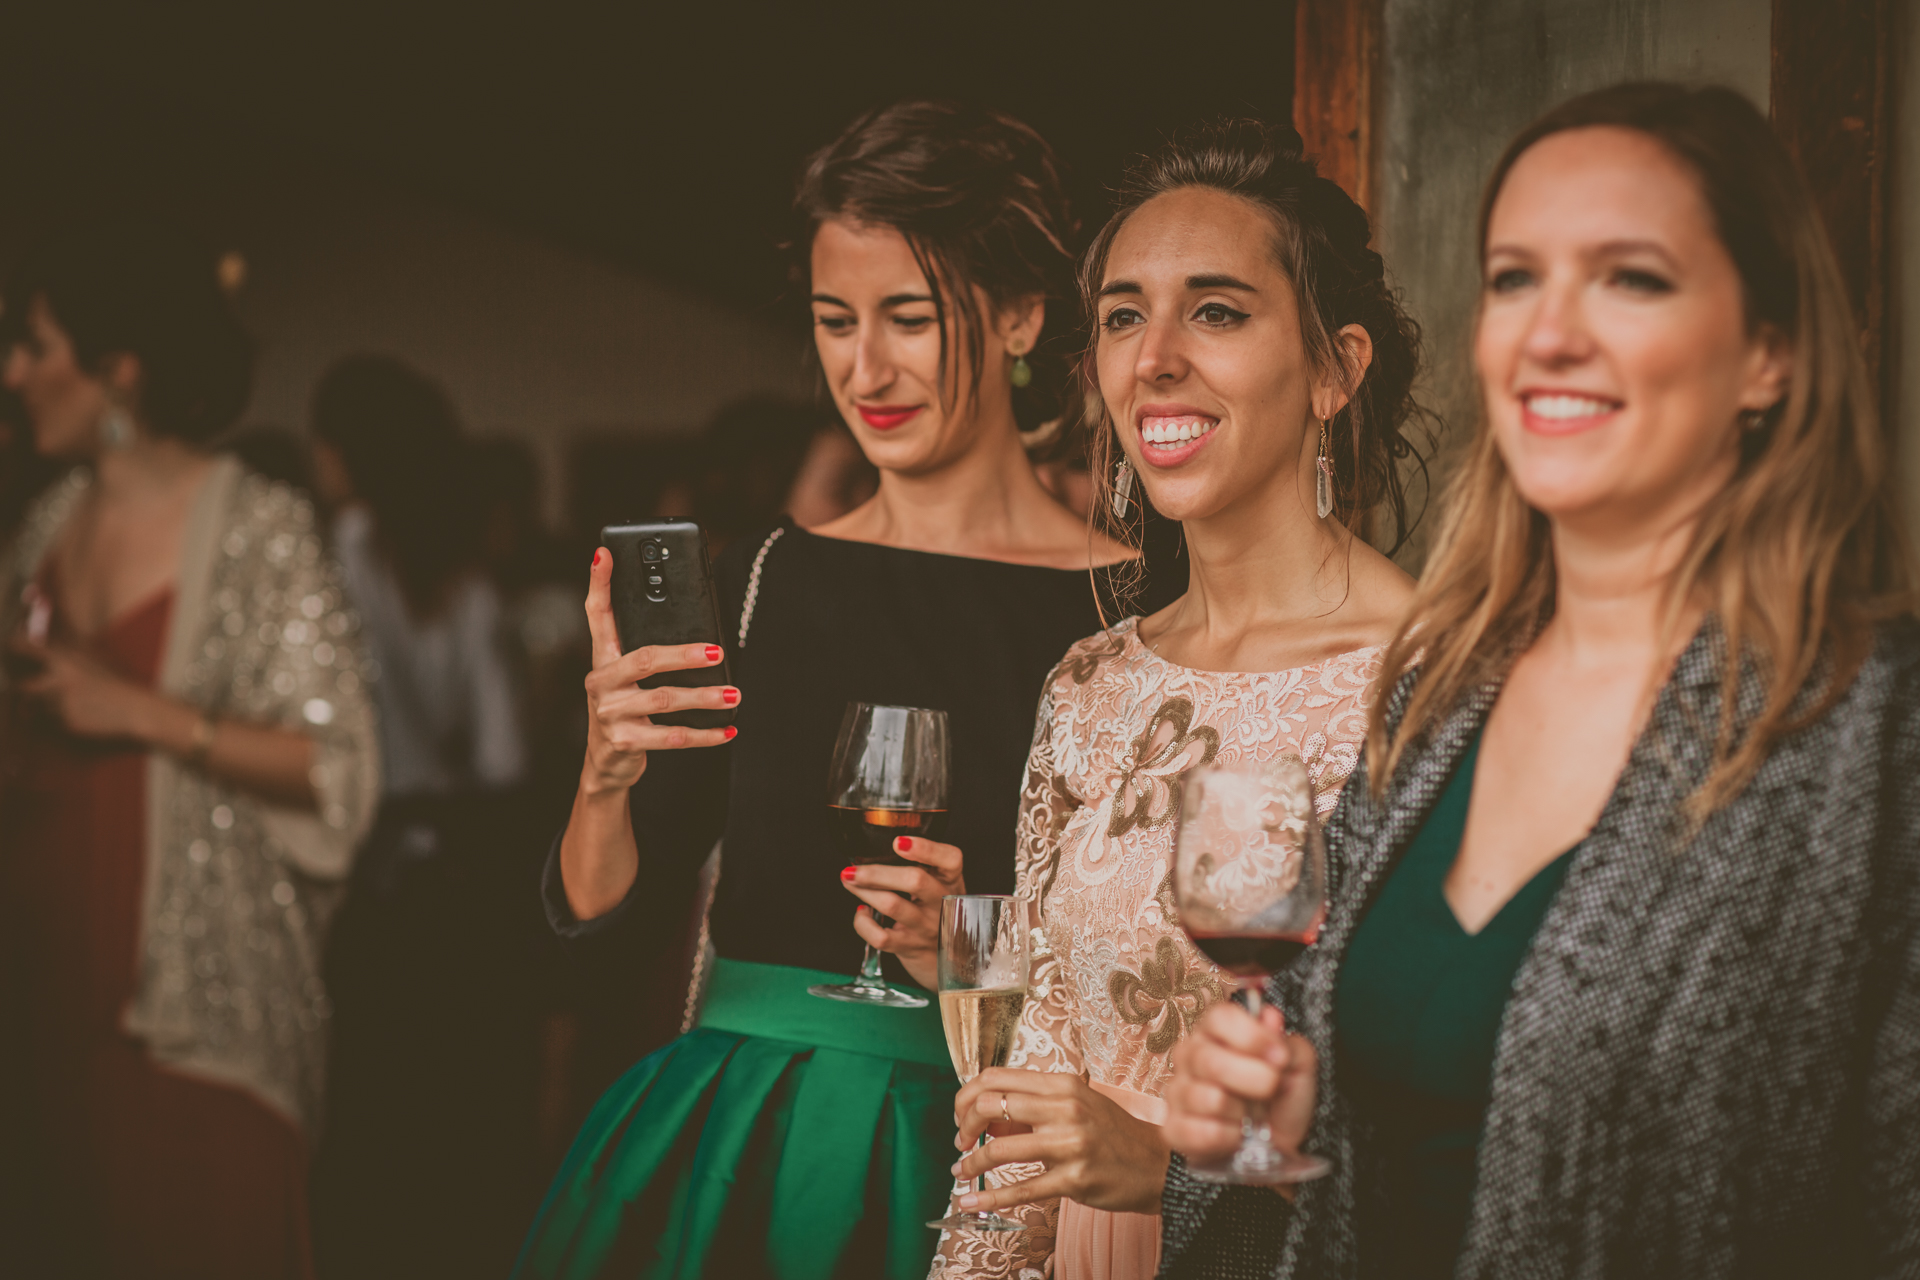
1065 804
1157 770
1081 666
1166 998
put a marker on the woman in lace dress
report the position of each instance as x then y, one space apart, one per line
1246 345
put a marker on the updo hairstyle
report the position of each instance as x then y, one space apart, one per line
1320 242
979 198
146 290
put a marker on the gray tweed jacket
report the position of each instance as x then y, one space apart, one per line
1710 1063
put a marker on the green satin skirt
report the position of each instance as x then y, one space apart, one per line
786 1136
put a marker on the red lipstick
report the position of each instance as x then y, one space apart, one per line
885 417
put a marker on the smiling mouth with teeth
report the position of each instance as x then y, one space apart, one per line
1568 408
1171 433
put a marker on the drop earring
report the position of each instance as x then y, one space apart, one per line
115 426
1022 373
1122 489
1323 477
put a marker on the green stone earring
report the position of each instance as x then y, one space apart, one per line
1022 372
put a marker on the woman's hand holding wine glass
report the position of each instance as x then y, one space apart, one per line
1093 1150
1230 1065
1250 884
887 787
910 897
598 856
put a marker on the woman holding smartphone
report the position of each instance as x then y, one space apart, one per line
1621 970
787 1133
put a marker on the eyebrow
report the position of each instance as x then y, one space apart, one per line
1608 249
1215 280
1218 281
891 300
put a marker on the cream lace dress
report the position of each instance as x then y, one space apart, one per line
1118 983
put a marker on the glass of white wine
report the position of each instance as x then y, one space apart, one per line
983 987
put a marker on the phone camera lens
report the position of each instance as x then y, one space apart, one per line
650 552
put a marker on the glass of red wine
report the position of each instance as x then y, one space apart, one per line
1250 884
889 779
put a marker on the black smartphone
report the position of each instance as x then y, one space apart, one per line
663 594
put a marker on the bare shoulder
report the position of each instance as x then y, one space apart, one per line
1380 594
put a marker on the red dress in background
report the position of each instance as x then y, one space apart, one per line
150 1174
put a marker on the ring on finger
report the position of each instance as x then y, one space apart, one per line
1004 1113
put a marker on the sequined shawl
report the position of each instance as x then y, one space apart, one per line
238 890
1710 1063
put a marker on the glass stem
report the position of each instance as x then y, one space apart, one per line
870 969
980 1179
1255 1133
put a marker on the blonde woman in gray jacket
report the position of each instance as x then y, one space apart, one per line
1621 974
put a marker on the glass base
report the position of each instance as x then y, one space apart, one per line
976 1222
880 993
1256 1166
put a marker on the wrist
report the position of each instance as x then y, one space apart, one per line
599 788
160 722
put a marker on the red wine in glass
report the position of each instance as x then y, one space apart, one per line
1253 955
1250 886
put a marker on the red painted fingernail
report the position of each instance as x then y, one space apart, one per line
729 696
596 559
713 653
849 873
903 844
731 731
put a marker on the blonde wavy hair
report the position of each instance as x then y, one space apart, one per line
1799 557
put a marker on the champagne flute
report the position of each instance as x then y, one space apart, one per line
983 988
1250 884
889 779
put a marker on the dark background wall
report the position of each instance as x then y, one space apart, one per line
568 214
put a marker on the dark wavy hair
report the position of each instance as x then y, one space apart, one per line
979 198
1321 241
147 290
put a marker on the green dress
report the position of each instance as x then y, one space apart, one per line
1417 1014
757 1143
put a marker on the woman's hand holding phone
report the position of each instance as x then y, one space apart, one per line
598 857
619 730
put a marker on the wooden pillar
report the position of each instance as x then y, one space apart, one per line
1832 96
1336 49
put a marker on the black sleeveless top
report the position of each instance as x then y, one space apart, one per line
836 622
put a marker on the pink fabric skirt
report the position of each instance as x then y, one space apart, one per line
1094 1244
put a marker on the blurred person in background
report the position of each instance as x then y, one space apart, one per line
429 1148
274 452
834 477
748 459
24 471
189 763
392 465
